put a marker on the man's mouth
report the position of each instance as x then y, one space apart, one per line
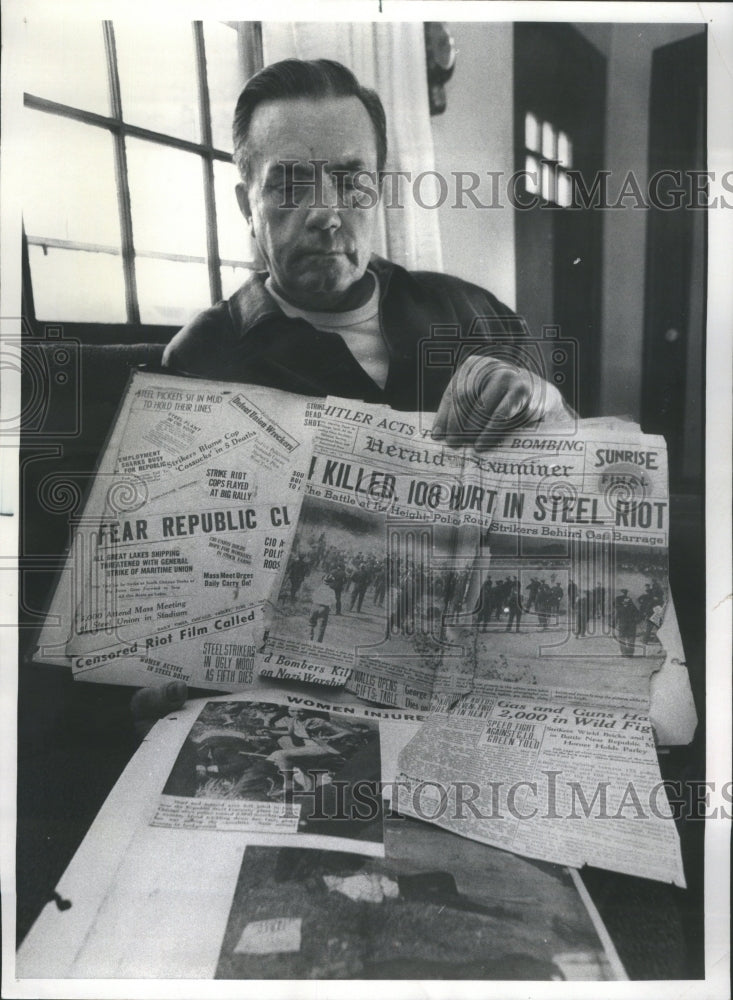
329 254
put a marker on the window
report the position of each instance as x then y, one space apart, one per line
129 208
548 154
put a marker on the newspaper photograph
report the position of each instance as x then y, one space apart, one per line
375 565
561 783
578 620
362 604
435 907
273 768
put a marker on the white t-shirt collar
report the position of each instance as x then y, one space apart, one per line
330 320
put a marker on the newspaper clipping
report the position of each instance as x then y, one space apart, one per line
182 535
557 782
308 772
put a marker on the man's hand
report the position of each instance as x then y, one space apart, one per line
152 703
486 398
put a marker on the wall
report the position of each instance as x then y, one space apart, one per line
629 49
475 133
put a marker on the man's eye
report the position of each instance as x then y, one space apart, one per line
290 193
347 188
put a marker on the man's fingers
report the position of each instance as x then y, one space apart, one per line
503 418
456 422
155 702
459 418
480 402
440 423
487 397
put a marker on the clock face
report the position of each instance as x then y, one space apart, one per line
440 44
440 54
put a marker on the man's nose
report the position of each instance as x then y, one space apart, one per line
325 212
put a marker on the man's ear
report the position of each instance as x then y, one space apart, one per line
243 202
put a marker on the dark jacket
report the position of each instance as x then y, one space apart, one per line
430 322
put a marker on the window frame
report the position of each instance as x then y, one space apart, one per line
133 330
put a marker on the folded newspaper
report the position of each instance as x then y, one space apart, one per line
237 532
236 536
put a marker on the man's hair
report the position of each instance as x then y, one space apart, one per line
294 78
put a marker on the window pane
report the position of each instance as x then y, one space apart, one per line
70 190
532 178
232 278
167 198
234 239
564 190
65 62
171 292
564 150
531 131
76 286
157 71
548 186
225 79
549 141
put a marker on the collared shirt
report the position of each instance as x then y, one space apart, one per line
360 329
430 323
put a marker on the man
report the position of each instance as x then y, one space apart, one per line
325 315
514 602
321 609
335 578
485 604
296 572
626 616
582 613
360 580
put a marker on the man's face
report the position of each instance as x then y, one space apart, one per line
317 249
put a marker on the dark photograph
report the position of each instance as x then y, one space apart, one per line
436 907
264 752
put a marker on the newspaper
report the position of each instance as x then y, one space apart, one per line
418 570
556 782
182 534
360 599
236 537
559 783
234 531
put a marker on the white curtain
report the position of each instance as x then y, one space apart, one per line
390 58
